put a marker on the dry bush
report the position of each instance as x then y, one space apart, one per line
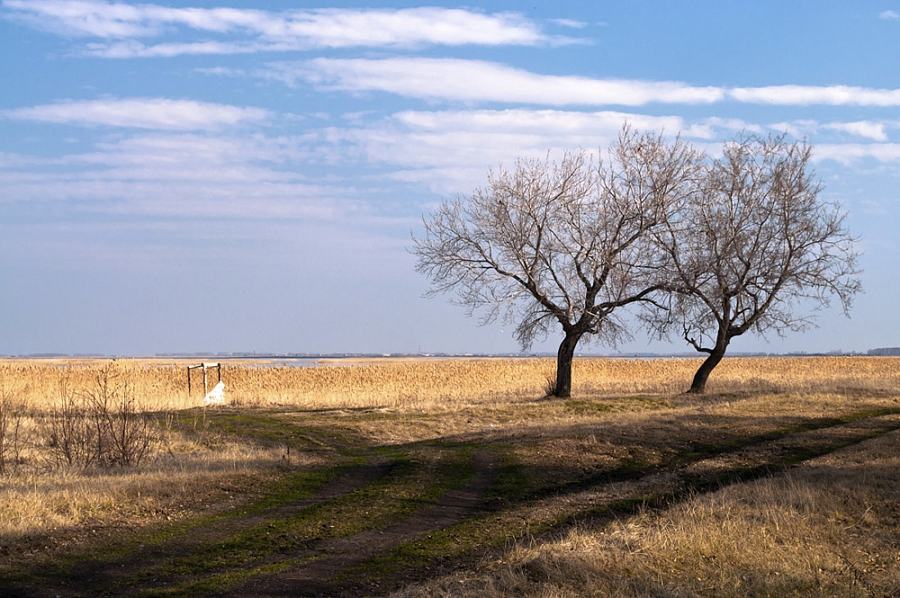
15 433
68 430
123 429
102 425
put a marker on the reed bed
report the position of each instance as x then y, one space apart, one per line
428 383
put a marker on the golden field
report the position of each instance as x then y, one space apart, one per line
161 385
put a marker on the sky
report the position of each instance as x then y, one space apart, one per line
233 176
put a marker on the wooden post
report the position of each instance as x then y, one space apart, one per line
204 367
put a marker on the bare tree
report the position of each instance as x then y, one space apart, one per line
562 243
753 250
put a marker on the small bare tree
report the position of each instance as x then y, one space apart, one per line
14 433
101 426
753 248
123 433
562 243
69 433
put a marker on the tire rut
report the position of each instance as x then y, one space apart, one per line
321 576
356 478
661 489
112 575
322 572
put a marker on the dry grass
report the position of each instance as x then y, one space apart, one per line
824 530
827 528
189 473
418 384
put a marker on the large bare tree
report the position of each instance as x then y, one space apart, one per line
754 250
560 243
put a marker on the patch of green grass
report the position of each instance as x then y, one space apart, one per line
547 457
285 489
279 430
412 484
215 582
417 555
461 543
648 402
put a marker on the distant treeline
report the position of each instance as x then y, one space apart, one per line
888 352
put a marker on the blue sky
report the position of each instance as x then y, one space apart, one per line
231 176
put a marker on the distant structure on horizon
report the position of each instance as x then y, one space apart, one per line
886 352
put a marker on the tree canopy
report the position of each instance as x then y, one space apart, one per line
711 247
559 243
754 249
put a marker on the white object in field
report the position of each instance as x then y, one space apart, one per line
217 395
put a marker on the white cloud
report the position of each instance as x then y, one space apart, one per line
473 81
141 113
870 130
571 23
222 71
850 153
259 30
731 125
889 15
83 17
135 49
800 95
178 176
253 175
450 151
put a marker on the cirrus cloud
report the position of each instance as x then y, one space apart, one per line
121 25
476 81
141 113
803 95
471 81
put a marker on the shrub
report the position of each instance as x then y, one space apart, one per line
101 426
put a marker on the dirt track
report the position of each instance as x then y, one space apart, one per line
322 575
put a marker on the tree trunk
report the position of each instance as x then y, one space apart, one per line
564 358
698 386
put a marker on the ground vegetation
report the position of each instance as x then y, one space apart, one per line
781 480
